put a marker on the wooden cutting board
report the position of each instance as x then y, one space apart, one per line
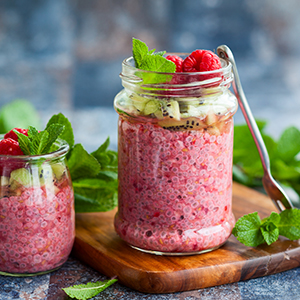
99 246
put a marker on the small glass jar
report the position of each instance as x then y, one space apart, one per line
175 159
37 218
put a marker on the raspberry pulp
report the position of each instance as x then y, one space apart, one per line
177 61
175 187
11 134
9 146
201 61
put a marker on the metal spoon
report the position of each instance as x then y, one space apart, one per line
272 188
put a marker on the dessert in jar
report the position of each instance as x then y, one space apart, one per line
37 219
175 156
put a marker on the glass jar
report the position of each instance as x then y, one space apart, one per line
175 159
37 218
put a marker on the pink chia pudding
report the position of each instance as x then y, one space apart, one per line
36 221
175 185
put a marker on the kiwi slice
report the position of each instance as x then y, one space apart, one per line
138 102
19 177
159 114
171 109
151 107
184 124
45 175
58 170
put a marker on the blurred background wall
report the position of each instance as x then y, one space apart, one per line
65 55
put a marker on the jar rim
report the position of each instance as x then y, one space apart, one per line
226 66
178 84
62 151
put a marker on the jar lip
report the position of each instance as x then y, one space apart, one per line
63 150
226 66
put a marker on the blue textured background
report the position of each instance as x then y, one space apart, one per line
65 55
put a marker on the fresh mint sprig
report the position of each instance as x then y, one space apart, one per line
94 175
151 61
89 290
39 142
252 231
67 135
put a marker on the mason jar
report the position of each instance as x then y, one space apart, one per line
37 218
175 145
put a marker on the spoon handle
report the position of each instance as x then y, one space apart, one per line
273 189
224 52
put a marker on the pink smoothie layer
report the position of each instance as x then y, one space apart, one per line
175 188
36 229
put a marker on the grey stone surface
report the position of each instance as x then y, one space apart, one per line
282 286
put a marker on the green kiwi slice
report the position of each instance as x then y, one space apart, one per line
19 177
184 124
58 170
45 175
171 109
151 107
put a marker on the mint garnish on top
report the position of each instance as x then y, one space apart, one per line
37 143
94 175
252 231
149 60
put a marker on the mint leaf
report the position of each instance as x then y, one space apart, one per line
89 290
24 142
67 135
251 231
152 51
108 175
289 225
285 171
151 61
139 51
93 194
18 114
161 53
32 131
82 164
102 148
289 144
269 228
270 232
245 153
108 159
247 230
94 178
39 142
274 218
54 131
156 63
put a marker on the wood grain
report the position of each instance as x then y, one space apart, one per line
99 246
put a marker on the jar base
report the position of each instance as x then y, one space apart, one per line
176 253
28 274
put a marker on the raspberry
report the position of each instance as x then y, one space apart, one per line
177 61
13 135
10 147
201 61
